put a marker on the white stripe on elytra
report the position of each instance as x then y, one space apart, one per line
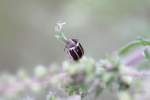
80 48
76 54
69 54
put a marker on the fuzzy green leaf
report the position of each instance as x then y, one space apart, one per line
134 44
147 54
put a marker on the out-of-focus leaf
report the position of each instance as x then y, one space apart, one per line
134 44
147 54
126 48
52 98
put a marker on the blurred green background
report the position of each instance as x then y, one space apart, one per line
102 26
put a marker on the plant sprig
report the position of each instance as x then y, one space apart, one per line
138 42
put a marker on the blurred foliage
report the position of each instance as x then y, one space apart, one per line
26 39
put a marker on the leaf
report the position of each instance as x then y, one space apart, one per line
52 98
147 54
128 47
99 90
134 44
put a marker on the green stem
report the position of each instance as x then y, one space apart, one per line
61 36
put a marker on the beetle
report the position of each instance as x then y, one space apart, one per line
74 49
72 46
